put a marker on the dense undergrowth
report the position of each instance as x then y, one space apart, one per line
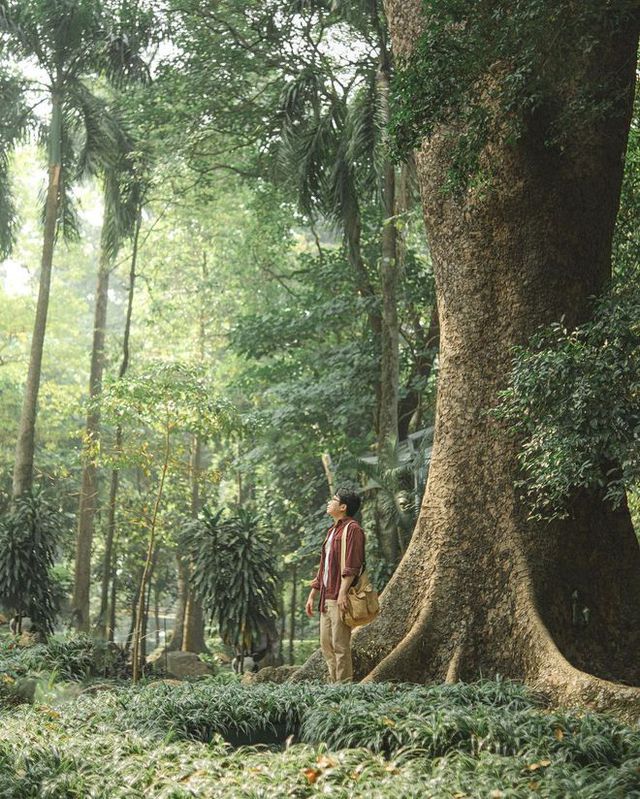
489 739
62 659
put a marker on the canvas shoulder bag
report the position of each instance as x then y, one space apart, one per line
362 596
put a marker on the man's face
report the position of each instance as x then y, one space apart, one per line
335 507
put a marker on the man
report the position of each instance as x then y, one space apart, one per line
333 584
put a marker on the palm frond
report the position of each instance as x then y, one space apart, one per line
129 34
68 219
8 218
100 136
122 198
15 119
12 30
364 131
122 63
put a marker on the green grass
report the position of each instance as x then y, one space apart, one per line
489 739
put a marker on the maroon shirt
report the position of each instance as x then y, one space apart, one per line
354 558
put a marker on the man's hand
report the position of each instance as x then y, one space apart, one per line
308 608
343 601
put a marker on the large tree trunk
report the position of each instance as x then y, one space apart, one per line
25 446
89 486
483 589
177 635
193 639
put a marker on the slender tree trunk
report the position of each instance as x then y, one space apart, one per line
292 616
134 609
25 446
283 620
483 589
193 637
115 477
109 542
390 365
111 630
148 565
144 635
89 487
390 338
156 612
177 636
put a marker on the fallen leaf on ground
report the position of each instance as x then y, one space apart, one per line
311 774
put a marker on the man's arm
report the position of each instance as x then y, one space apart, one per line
311 599
345 585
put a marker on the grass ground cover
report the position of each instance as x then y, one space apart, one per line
490 739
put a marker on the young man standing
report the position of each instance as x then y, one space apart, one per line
333 584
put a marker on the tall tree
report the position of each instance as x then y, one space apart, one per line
106 617
121 208
522 138
70 42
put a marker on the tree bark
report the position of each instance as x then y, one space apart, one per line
144 634
388 273
25 446
292 613
390 331
177 635
156 612
193 638
111 628
483 589
138 643
89 486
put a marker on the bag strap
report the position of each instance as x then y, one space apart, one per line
343 548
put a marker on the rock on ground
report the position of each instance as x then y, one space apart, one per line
180 665
276 674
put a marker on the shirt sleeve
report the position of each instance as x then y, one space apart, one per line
354 556
317 581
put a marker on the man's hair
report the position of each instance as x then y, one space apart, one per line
349 498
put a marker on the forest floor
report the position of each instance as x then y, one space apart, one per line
85 737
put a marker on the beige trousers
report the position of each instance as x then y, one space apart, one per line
335 640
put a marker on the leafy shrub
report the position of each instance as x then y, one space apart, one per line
74 657
573 401
233 571
496 740
29 532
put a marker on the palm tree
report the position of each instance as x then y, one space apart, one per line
72 42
